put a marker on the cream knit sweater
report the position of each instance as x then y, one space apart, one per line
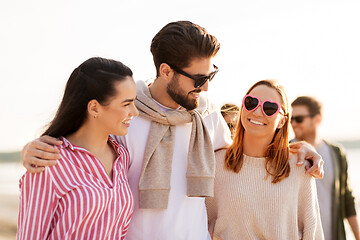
247 205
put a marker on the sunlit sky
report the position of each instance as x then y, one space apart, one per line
312 47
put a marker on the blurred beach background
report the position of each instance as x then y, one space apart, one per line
312 47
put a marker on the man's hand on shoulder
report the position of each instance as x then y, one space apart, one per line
40 153
306 152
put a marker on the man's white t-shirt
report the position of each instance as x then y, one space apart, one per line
185 217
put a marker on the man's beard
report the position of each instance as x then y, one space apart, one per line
180 96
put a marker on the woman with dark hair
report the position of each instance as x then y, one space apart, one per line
260 193
86 195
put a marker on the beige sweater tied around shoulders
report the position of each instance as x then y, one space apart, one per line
154 182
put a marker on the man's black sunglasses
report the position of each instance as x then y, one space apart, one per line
199 80
300 119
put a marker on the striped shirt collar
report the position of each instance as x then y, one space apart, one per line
67 144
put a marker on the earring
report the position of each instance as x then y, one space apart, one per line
95 116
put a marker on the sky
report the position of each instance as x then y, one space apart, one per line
310 46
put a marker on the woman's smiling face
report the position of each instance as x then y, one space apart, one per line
115 117
255 122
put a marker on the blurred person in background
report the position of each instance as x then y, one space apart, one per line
230 113
336 200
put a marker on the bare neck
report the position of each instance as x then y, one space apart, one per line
313 139
90 138
255 146
158 91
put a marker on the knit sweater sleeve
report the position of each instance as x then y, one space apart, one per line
212 213
211 202
308 208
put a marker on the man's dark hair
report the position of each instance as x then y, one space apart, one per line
313 105
178 43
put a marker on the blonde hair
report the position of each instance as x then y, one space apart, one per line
229 108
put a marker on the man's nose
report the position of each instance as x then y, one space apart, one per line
134 111
205 87
258 111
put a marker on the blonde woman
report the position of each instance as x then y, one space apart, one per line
230 113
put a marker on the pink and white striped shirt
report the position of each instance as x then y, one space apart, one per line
76 199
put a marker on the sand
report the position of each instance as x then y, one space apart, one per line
10 173
8 216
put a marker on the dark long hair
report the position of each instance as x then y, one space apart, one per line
93 79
